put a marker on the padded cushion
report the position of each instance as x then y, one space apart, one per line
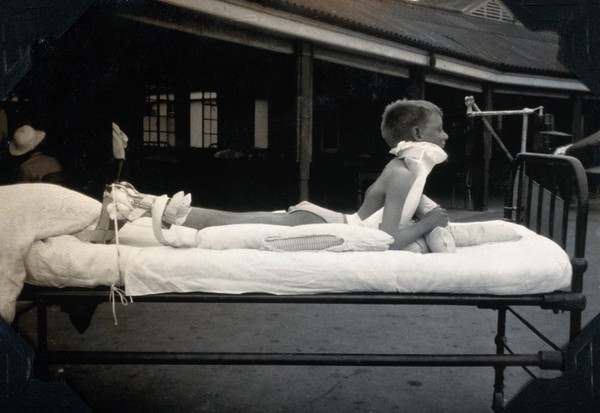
477 233
446 239
327 237
31 212
440 239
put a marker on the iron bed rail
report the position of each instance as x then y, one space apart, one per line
557 178
558 301
549 360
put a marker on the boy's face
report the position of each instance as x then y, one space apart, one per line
433 131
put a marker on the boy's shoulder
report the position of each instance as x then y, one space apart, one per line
395 170
395 166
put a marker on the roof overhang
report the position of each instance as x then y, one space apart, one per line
336 44
481 73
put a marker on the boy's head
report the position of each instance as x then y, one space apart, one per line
401 116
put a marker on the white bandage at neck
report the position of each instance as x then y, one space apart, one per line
420 158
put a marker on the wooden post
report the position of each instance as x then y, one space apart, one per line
487 148
417 83
304 114
577 127
182 116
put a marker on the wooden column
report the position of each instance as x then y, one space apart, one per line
488 104
577 128
304 114
417 83
182 117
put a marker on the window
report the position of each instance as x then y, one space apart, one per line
159 120
203 120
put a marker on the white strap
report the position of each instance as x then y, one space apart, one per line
158 208
177 236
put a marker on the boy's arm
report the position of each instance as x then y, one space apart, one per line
397 186
426 204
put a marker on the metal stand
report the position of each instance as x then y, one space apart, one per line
473 111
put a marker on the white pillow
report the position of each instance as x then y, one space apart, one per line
326 237
467 234
30 212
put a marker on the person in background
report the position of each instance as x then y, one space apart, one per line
586 150
27 158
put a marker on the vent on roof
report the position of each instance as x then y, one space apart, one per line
492 10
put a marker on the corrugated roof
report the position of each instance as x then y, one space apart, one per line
504 46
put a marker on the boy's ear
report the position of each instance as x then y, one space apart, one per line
416 134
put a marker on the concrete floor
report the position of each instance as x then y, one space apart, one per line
287 327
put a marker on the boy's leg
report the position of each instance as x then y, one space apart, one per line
132 204
202 217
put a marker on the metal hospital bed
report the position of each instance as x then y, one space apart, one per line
547 194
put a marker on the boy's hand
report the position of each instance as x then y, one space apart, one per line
437 217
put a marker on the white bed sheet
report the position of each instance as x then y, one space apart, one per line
531 265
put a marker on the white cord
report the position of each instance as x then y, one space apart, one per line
113 288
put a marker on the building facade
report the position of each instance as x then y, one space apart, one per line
258 104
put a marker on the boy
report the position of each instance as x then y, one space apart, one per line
409 127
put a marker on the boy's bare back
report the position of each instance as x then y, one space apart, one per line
394 179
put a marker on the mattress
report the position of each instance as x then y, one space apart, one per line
530 265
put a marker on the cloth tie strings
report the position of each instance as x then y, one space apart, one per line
114 290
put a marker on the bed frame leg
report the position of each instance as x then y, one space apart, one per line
575 327
498 399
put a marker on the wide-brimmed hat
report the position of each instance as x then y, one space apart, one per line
25 139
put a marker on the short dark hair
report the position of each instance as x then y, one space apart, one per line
400 116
